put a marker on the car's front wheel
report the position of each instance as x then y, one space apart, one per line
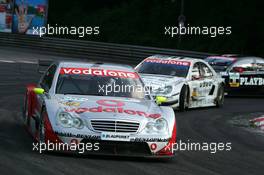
184 98
41 127
25 111
220 96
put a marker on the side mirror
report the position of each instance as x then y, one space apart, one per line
195 77
38 91
195 74
160 100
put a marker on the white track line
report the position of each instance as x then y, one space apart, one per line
7 61
24 62
28 62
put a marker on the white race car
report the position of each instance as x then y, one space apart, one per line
185 82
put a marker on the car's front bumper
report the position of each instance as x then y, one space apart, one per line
135 148
172 101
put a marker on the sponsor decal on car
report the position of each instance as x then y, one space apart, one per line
78 99
75 135
98 72
236 80
112 106
206 84
115 136
149 139
71 103
161 61
254 81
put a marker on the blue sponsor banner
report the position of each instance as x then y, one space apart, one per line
29 14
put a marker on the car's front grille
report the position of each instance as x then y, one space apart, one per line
115 126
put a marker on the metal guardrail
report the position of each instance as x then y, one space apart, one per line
129 54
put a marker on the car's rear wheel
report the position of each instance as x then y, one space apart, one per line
184 98
220 96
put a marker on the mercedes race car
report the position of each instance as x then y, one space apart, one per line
185 82
77 103
244 75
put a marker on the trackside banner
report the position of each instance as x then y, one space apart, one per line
22 16
6 9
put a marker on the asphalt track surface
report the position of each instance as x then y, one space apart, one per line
201 125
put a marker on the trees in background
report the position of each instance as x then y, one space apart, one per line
142 22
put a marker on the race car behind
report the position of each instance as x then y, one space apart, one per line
185 82
244 75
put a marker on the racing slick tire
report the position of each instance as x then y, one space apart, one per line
220 96
25 116
41 127
184 100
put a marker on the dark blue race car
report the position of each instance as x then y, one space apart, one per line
244 75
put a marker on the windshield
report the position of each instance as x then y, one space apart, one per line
220 63
100 82
167 67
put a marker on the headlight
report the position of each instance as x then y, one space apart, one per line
159 126
167 89
67 121
77 123
164 90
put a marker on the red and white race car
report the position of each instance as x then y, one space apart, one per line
73 105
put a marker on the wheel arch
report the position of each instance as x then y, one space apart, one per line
31 98
188 89
50 134
169 115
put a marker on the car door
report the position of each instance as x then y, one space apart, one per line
195 83
208 85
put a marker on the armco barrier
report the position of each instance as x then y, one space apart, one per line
90 50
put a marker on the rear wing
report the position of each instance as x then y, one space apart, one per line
43 65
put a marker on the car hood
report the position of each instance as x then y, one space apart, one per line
102 107
157 81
